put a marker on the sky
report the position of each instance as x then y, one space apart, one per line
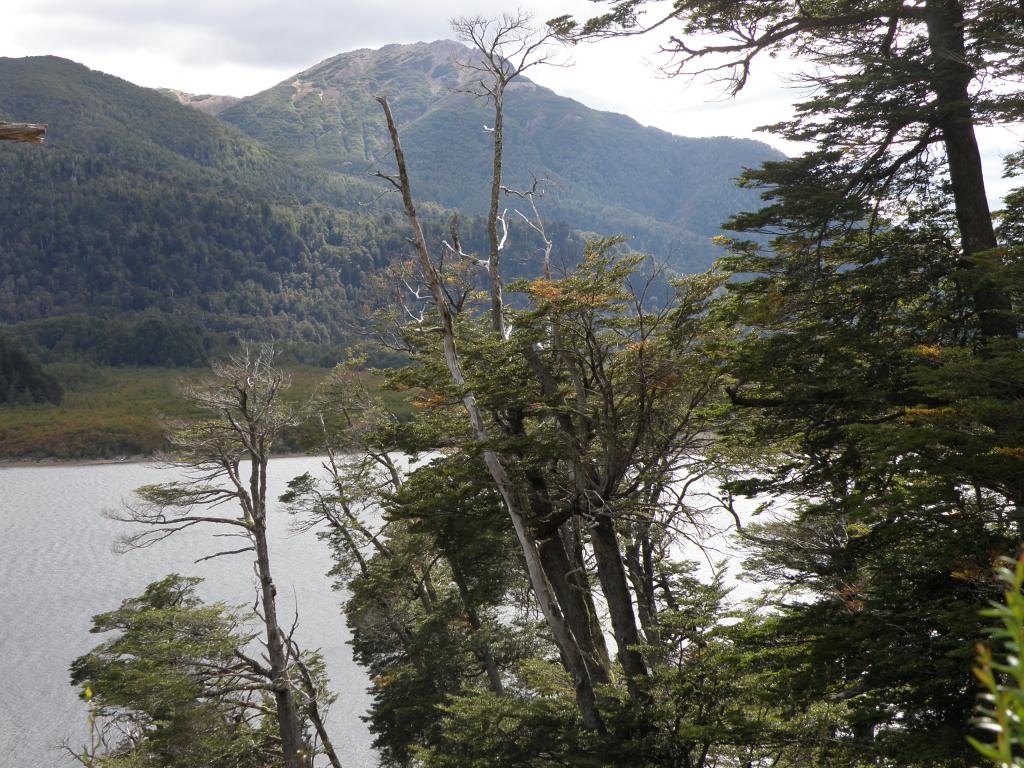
240 47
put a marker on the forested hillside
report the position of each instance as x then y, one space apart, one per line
140 207
140 204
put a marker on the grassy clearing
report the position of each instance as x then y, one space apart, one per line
115 412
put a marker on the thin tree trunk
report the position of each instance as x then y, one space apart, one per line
571 595
586 699
637 560
951 78
572 538
293 743
314 712
494 261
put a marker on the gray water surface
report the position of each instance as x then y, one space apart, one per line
58 569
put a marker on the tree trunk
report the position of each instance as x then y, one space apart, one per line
314 713
494 261
638 560
578 611
583 685
612 575
293 742
951 78
572 539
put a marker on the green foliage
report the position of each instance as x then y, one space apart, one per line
630 375
884 424
168 689
22 379
721 691
1002 677
482 730
877 382
426 586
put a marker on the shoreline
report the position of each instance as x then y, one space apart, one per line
95 462
56 462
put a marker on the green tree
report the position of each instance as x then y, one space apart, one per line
175 687
426 567
879 371
225 463
889 83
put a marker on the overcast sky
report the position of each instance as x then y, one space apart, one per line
240 47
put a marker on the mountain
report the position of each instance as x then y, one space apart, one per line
145 219
138 206
605 172
206 102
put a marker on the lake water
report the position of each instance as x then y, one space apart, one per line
58 569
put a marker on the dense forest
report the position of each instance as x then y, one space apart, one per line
139 206
847 396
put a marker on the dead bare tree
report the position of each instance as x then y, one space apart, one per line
246 415
502 49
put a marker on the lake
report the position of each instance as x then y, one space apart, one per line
58 569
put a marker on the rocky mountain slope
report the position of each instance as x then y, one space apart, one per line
209 103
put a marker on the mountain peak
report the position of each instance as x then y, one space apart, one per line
327 116
424 57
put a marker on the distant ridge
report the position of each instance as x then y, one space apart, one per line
606 172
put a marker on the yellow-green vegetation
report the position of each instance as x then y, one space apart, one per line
114 412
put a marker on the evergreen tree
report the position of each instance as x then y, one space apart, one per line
890 82
880 368
173 688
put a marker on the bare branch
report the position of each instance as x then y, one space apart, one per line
224 553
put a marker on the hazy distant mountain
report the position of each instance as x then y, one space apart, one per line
606 172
